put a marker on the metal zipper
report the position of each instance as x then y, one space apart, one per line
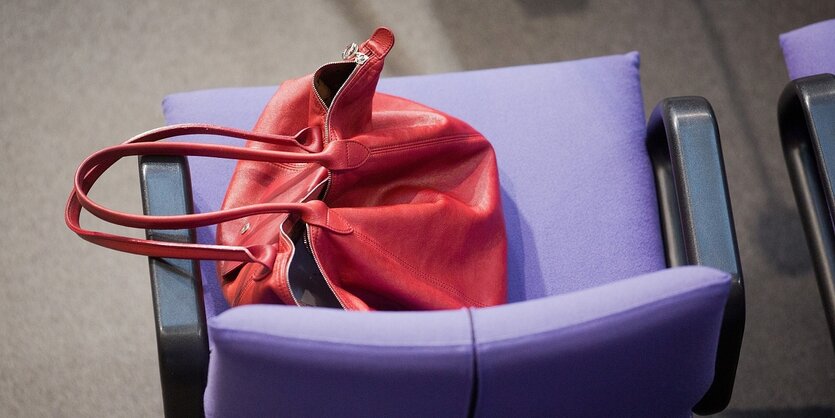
351 53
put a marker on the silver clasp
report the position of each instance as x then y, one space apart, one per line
351 53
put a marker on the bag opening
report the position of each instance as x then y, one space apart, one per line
330 78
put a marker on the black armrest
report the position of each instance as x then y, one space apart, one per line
696 219
182 341
806 113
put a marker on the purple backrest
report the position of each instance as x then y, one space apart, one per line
810 50
578 193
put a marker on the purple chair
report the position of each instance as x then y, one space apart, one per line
807 129
602 212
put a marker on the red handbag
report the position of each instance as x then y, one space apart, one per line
343 197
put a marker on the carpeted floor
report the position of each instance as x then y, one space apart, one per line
76 322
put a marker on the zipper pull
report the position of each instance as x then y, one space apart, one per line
352 53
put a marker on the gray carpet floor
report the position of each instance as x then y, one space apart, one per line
76 322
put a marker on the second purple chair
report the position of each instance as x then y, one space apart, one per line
600 210
807 128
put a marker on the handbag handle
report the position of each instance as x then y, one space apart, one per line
337 155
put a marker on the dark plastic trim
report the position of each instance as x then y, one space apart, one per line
806 114
696 219
182 342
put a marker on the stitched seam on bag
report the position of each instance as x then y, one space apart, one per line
418 144
348 155
289 166
348 226
247 284
414 270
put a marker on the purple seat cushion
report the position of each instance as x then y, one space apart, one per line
643 346
578 193
315 362
810 50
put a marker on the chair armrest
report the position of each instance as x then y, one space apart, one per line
696 219
182 342
806 113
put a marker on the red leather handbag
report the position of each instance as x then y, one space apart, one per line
343 197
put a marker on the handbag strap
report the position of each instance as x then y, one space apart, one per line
338 155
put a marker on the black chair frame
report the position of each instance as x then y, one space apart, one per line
806 114
696 223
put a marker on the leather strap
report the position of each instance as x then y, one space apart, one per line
337 155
